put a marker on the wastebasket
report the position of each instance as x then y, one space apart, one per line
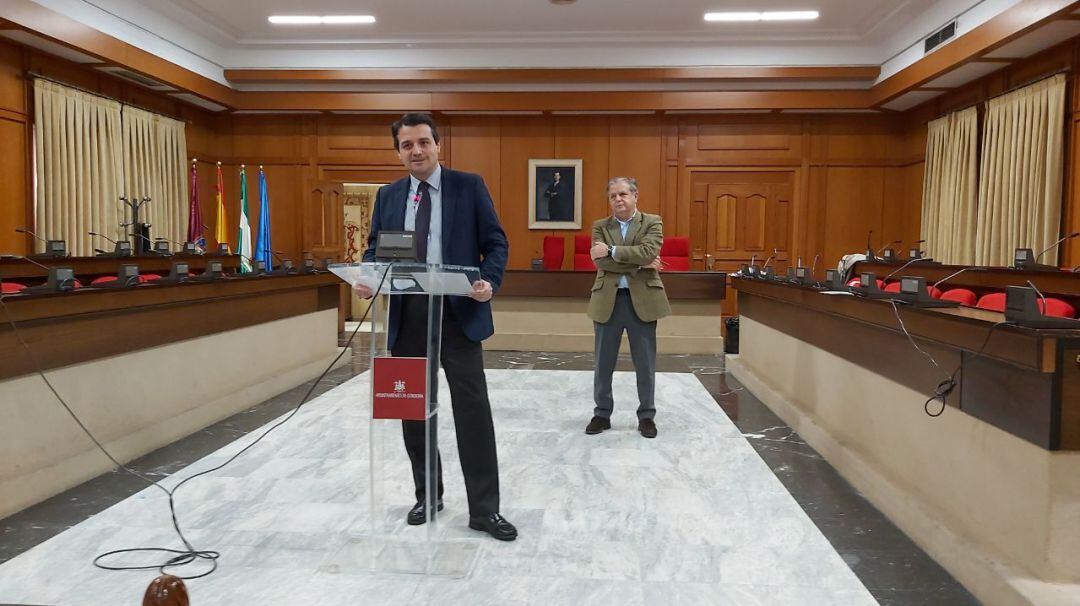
731 341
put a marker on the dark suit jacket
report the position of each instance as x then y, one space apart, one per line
471 236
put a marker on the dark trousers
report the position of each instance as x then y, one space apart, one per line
642 337
463 362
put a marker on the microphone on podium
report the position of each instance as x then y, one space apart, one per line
54 249
122 248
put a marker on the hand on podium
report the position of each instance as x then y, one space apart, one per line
362 290
481 291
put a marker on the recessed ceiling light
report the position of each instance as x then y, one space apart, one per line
315 19
765 16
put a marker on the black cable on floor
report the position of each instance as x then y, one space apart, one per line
177 557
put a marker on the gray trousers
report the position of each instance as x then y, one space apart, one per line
642 336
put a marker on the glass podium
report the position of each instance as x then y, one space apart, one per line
404 389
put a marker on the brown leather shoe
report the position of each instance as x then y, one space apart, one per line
597 425
647 428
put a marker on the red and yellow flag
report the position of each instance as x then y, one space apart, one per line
221 233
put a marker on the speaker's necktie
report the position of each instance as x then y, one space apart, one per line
423 221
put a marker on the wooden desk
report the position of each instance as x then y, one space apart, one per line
1027 381
1059 283
18 267
91 323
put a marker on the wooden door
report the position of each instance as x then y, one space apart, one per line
324 220
323 216
742 216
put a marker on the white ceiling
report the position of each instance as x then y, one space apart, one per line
209 36
244 22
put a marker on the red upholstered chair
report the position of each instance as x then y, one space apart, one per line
994 301
962 296
676 253
1059 308
8 288
554 251
857 282
582 259
143 278
895 287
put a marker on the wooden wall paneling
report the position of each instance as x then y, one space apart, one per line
268 136
14 187
635 149
895 200
816 215
856 140
365 139
733 139
590 139
13 97
477 149
854 206
1071 249
523 137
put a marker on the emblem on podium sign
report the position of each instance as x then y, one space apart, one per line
398 388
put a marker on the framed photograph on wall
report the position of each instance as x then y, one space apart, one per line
554 194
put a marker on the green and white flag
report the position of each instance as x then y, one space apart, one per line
243 240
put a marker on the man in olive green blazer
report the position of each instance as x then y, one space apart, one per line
627 295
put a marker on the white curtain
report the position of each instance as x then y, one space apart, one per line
1021 173
949 188
78 167
155 163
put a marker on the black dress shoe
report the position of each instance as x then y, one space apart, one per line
495 525
597 424
647 428
418 514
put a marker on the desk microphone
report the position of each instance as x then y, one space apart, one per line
60 279
916 253
950 277
870 256
53 248
258 268
187 248
158 247
897 270
882 249
813 266
1068 237
122 247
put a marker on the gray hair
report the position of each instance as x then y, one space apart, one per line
632 182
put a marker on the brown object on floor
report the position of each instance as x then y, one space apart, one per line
166 590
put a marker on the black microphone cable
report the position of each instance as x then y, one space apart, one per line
176 557
948 384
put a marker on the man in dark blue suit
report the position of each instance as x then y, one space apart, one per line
455 223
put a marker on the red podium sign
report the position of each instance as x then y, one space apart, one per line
398 388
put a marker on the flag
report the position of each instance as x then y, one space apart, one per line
263 247
195 220
221 233
243 237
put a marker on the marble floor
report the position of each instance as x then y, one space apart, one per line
721 509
